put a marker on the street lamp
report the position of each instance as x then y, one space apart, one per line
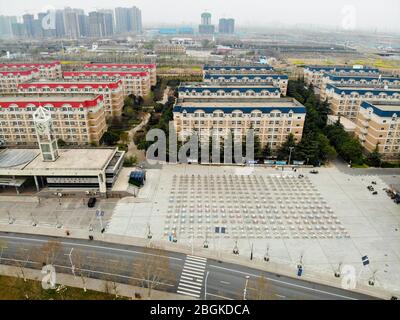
205 285
266 257
149 234
235 248
290 154
245 287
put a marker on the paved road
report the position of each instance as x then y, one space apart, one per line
343 166
191 275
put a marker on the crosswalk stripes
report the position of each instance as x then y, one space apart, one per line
191 281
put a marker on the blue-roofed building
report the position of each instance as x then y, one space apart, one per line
272 119
314 74
218 90
237 69
375 80
272 79
378 125
346 100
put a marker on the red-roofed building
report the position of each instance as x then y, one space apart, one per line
149 67
78 120
10 78
50 70
134 82
111 90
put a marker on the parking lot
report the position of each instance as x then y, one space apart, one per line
68 213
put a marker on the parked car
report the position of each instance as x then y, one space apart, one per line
91 202
375 192
314 171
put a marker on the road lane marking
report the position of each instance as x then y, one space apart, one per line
92 246
225 282
287 283
192 275
215 295
196 258
188 294
183 286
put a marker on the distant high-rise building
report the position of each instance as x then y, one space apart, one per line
71 22
206 18
60 24
96 24
206 27
108 16
128 20
226 26
83 21
18 30
6 23
28 21
135 20
121 20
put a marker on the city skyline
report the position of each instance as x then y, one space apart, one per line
350 14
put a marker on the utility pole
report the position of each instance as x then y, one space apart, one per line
251 253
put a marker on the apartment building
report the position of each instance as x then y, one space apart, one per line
170 49
346 100
199 90
314 74
76 119
378 124
278 80
112 91
10 79
149 67
137 83
272 119
51 70
373 81
228 69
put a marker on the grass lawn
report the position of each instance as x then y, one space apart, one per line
13 288
360 165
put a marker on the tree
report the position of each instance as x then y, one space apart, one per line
110 138
61 143
258 150
3 246
130 161
351 150
267 151
152 270
284 150
374 158
124 137
48 252
81 267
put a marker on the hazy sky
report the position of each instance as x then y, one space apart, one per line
371 14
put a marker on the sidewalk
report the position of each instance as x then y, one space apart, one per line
95 285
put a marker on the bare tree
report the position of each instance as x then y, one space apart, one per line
259 288
111 269
82 266
22 260
3 246
152 269
48 253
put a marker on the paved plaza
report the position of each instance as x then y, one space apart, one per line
324 220
67 213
